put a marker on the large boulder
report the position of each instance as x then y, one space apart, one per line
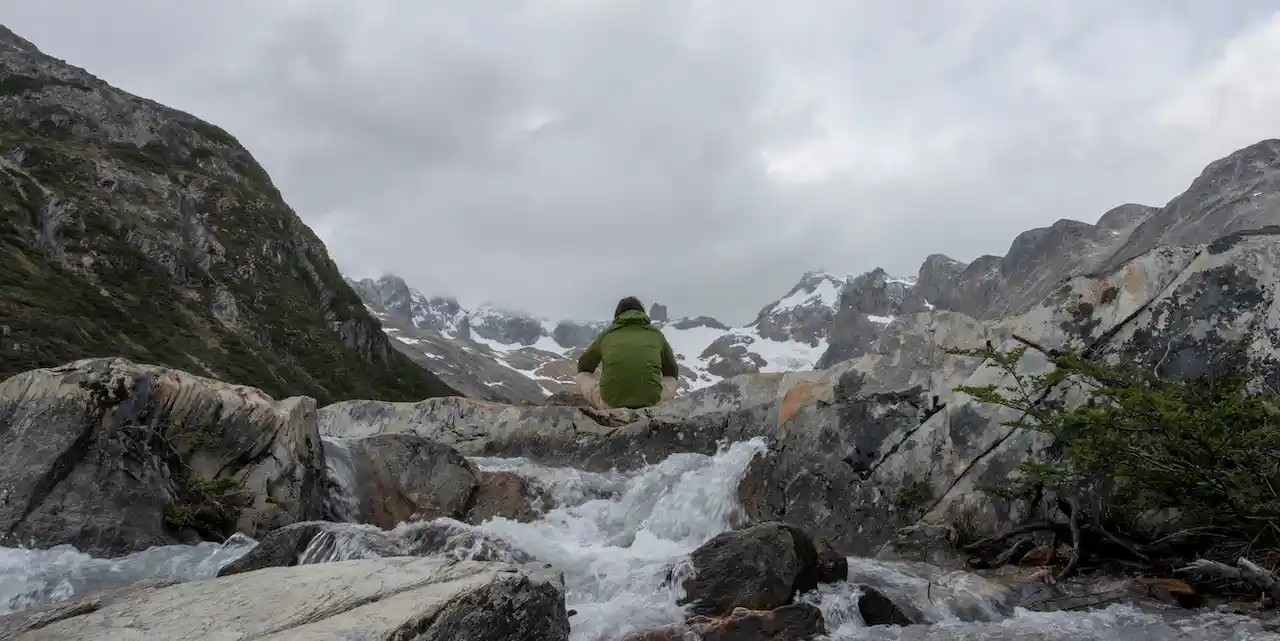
112 457
758 568
501 494
426 599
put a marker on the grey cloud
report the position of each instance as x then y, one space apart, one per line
556 154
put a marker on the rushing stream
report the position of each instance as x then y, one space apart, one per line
614 537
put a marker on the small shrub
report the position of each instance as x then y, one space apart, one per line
211 506
179 516
1199 458
216 487
912 499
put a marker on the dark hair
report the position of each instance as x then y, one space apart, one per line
628 304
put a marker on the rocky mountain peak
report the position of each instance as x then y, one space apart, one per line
804 312
506 326
14 41
687 322
571 334
868 303
658 313
392 296
1238 192
936 277
1124 217
880 296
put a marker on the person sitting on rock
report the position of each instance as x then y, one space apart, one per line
638 367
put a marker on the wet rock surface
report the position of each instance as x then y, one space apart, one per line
877 609
796 622
506 495
389 479
404 477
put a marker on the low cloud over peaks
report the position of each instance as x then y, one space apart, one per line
557 154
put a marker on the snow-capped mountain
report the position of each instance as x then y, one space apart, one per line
512 356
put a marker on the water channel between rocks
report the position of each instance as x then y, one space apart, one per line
614 536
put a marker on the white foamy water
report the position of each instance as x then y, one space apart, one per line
340 481
30 578
616 537
616 552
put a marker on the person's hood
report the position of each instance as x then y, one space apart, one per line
631 317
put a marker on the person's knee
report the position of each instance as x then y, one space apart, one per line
669 386
589 387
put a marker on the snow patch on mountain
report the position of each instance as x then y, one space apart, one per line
825 293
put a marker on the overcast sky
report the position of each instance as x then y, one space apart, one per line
554 155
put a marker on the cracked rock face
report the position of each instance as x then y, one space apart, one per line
425 599
100 453
1235 194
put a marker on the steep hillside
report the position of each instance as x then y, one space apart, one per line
137 230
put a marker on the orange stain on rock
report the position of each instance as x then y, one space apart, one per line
798 397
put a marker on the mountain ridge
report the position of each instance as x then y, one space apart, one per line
825 318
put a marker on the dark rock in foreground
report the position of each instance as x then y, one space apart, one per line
876 609
759 568
507 495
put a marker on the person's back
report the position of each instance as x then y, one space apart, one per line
638 366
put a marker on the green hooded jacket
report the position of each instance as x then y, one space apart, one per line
635 356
